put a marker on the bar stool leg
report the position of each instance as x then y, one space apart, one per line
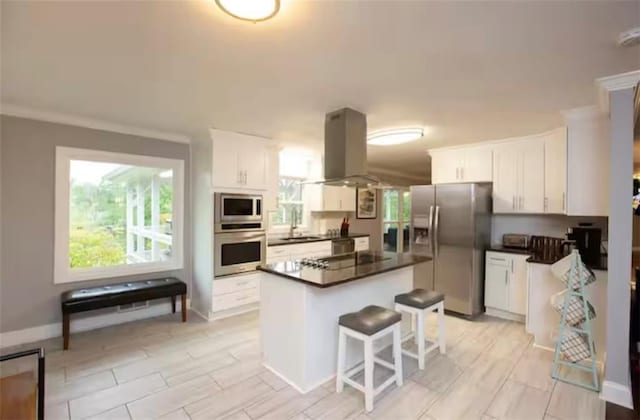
397 354
368 375
441 328
342 353
420 338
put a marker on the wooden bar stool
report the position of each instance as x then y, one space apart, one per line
367 325
419 302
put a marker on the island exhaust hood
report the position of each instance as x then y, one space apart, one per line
345 150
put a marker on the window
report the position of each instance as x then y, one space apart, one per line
290 201
396 209
116 214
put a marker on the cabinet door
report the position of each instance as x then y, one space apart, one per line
331 198
505 178
555 171
446 166
253 164
496 286
530 197
478 164
347 199
518 285
225 172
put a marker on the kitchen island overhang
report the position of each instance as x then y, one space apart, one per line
300 307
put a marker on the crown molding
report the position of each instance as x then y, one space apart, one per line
585 112
79 121
613 83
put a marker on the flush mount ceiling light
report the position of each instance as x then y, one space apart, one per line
396 136
251 10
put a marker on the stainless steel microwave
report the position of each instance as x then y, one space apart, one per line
237 207
238 252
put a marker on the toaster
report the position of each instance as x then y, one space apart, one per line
515 240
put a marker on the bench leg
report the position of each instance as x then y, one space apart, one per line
65 330
173 304
183 305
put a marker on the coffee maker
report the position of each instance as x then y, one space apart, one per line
587 240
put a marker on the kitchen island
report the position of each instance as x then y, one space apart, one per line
301 301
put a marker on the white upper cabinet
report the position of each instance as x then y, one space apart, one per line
530 198
239 161
555 171
468 164
330 198
518 176
588 156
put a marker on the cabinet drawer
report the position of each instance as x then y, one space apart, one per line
232 300
312 248
278 251
498 258
235 284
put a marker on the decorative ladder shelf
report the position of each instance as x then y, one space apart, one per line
584 328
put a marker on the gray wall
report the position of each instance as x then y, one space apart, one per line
28 297
620 237
371 226
541 225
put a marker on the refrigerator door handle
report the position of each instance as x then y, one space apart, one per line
431 235
436 231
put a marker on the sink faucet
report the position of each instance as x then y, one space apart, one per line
293 225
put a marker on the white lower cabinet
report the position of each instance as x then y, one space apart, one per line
505 285
235 294
361 244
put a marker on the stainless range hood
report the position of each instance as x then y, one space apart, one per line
345 150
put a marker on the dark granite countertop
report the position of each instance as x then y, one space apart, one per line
539 260
312 238
326 278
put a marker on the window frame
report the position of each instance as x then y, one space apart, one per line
400 221
301 224
63 273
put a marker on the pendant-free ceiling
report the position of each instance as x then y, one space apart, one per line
396 136
251 10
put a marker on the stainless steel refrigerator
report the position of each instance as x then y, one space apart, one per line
452 224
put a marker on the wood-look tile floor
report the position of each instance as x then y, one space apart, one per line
161 368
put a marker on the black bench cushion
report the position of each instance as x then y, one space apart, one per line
87 299
420 298
370 319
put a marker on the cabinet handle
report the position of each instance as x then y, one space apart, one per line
243 298
546 204
513 202
512 266
245 178
462 174
563 201
520 202
506 277
496 259
242 283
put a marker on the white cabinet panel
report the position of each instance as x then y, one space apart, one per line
506 283
555 171
496 290
445 166
518 285
281 253
273 179
239 161
505 178
361 244
466 164
477 164
330 198
530 198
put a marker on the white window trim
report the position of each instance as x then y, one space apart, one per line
62 272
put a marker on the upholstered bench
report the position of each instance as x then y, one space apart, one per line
88 299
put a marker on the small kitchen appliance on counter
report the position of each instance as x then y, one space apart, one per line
588 241
515 241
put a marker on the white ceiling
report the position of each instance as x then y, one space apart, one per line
469 70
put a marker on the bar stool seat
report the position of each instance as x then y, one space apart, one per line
420 298
419 302
370 320
368 325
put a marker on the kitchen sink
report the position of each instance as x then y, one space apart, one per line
299 238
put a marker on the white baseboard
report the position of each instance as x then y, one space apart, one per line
294 386
617 394
43 332
505 315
